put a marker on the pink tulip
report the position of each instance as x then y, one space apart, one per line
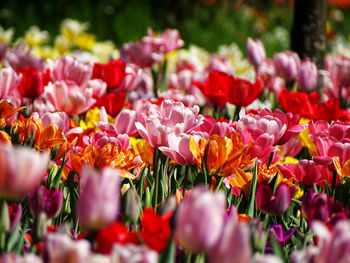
170 40
155 123
308 75
332 246
305 172
265 259
20 57
69 68
22 169
339 69
61 119
60 248
99 139
255 52
67 96
133 253
287 64
179 149
219 63
98 205
9 82
200 220
233 244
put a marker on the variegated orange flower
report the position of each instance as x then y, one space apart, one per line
342 171
5 138
221 155
6 111
109 155
142 148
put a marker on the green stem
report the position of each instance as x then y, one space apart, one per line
156 175
188 257
185 179
220 183
236 114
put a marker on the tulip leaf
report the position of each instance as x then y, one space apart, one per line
13 238
250 211
168 255
276 248
57 179
52 173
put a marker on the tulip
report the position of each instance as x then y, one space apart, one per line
19 178
44 200
98 205
281 235
60 248
308 75
287 64
255 52
200 220
33 82
15 213
219 63
69 97
9 82
273 203
69 68
322 207
233 244
112 102
113 73
133 253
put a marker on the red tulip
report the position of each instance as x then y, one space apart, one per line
33 82
243 92
113 102
220 88
155 229
112 73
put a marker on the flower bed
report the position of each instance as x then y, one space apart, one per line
154 153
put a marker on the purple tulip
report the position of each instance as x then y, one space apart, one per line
44 200
255 52
200 219
308 75
273 203
322 207
281 235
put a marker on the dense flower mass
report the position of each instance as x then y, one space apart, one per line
157 153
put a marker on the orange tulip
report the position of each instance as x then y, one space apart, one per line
6 111
221 155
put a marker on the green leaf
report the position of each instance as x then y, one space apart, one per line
168 255
57 179
251 206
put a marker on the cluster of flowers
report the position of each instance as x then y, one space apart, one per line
168 154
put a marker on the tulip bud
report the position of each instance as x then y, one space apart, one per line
273 203
44 200
15 213
287 65
200 219
255 52
131 205
99 197
33 82
308 75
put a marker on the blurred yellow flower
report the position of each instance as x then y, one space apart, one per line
304 139
85 41
35 37
6 35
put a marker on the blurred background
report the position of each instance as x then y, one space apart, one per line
206 23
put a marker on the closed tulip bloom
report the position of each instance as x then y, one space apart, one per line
69 68
255 52
9 81
22 169
273 203
233 244
15 213
308 75
200 219
287 64
113 73
46 200
98 205
33 82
